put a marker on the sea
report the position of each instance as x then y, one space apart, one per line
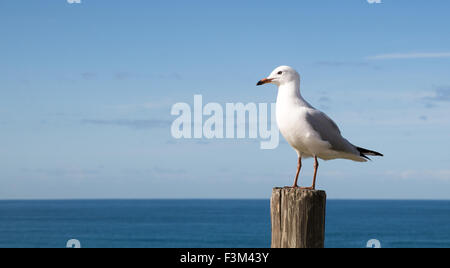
214 224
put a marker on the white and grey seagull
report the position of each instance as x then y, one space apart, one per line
309 131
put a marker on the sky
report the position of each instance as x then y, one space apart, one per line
86 92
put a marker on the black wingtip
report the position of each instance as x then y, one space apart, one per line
365 152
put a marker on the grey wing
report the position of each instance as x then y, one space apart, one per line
329 131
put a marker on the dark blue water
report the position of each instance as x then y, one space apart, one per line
214 223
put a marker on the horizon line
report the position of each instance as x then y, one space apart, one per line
209 199
414 55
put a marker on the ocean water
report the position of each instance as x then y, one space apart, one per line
214 223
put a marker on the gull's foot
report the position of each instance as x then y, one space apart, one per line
308 188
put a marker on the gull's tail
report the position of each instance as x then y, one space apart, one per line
364 152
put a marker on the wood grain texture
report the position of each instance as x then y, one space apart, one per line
298 218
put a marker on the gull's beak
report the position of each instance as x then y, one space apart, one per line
264 81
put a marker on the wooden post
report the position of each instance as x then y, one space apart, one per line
298 218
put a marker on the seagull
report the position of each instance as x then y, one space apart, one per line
309 131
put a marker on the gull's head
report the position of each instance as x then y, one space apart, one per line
280 76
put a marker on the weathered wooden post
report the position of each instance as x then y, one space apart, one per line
298 218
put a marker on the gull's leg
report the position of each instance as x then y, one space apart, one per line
316 167
298 172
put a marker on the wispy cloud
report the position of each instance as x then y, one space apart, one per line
356 64
73 173
136 124
122 75
127 75
169 76
443 174
89 75
165 170
440 94
151 105
409 56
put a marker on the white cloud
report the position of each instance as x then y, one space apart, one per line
443 174
439 94
165 104
409 56
133 123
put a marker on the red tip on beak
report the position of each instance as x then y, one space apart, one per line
264 81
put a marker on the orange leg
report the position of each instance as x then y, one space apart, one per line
298 172
316 167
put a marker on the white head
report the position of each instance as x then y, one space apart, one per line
280 76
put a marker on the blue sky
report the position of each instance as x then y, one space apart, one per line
86 91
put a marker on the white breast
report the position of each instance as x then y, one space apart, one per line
291 120
291 113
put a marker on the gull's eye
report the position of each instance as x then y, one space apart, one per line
280 72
